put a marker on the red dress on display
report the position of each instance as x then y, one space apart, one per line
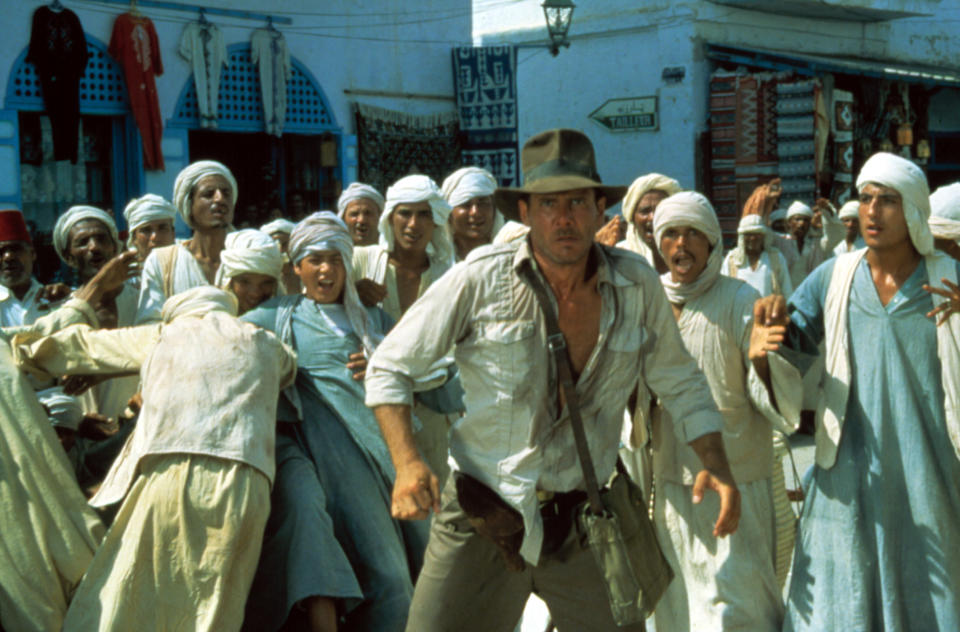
134 45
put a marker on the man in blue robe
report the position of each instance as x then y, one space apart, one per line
878 547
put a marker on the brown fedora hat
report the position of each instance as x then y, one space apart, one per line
553 161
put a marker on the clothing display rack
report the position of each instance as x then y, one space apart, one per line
182 6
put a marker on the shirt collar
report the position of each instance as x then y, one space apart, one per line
35 286
606 272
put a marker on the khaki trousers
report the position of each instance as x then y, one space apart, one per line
465 586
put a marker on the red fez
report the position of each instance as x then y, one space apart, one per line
12 226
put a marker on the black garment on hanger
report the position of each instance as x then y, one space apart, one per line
58 50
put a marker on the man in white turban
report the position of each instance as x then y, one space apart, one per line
414 251
849 214
638 206
280 230
150 223
86 238
251 268
205 195
720 583
887 457
756 260
474 220
360 207
333 467
195 475
945 219
812 250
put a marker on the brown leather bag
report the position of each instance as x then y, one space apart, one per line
492 517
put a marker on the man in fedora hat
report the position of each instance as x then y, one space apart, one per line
514 452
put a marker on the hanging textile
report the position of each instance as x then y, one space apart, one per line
723 143
842 127
486 84
134 44
393 144
268 50
58 49
202 45
796 147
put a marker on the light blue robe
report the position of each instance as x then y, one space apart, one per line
879 540
330 532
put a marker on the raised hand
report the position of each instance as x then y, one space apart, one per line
770 311
612 232
370 292
949 306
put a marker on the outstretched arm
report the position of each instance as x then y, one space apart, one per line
716 475
416 489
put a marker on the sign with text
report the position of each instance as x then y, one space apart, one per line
631 114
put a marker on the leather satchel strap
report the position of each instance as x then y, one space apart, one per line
558 347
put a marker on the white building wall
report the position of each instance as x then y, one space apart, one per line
380 46
619 48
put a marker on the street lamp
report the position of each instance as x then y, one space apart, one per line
559 13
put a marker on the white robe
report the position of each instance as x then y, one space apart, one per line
727 583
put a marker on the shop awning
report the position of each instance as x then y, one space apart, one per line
821 9
807 64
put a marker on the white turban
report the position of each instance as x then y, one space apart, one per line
850 210
640 187
799 209
198 301
63 410
750 225
690 208
190 176
249 251
945 212
777 215
359 191
278 226
324 231
148 208
908 180
410 190
74 215
468 183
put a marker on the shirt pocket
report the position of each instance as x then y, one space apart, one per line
509 352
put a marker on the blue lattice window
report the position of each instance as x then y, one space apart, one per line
240 104
102 87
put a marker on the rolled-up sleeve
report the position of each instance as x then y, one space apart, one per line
80 350
671 373
424 335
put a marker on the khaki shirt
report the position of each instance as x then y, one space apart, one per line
512 437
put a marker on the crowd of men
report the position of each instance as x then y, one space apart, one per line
287 428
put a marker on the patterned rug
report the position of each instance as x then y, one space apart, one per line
795 139
743 137
842 127
393 144
486 83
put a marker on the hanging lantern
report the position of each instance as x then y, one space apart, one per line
923 149
905 134
559 14
886 145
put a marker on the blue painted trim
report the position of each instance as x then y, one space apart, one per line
12 116
36 105
179 6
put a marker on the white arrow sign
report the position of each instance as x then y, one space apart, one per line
630 114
